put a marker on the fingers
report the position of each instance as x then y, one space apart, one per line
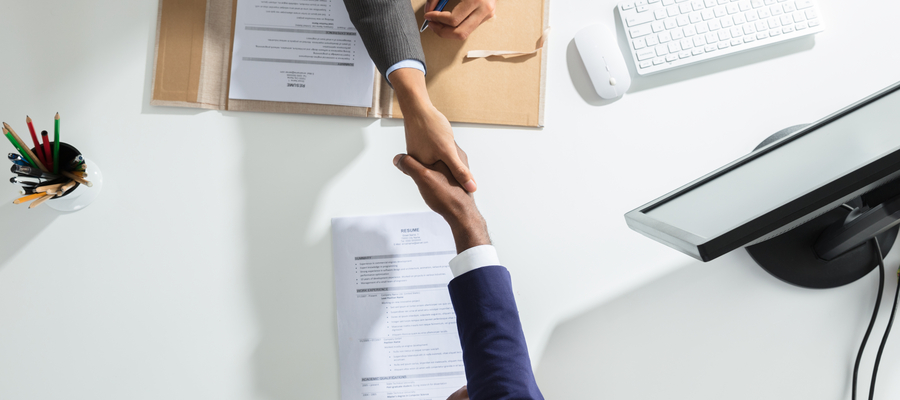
409 166
430 5
460 13
460 171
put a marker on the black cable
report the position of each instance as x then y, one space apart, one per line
887 331
862 346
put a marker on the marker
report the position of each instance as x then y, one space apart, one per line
46 137
34 138
26 191
31 171
18 180
56 144
440 7
18 160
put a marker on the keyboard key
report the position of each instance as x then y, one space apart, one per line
641 9
744 5
762 35
787 29
811 14
672 11
690 31
637 19
699 41
664 37
736 41
668 2
800 26
684 8
749 38
660 13
714 25
682 20
761 26
731 8
662 50
627 6
726 22
739 19
812 23
748 29
677 34
687 44
710 48
769 2
674 47
652 40
697 5
684 54
639 43
799 17
774 23
639 31
719 12
671 57
751 16
702 28
652 1
735 32
706 14
695 18
723 45
646 64
789 7
640 3
710 3
658 26
756 3
670 23
776 10
786 19
775 32
711 37
697 51
658 60
764 13
646 54
724 35
801 4
723 2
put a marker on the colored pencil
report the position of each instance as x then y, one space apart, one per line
34 138
17 145
49 188
40 200
56 144
46 137
30 197
26 150
66 188
77 178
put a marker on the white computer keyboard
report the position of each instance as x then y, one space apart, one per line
666 34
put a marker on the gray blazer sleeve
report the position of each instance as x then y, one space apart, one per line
388 29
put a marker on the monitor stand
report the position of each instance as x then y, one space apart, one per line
792 257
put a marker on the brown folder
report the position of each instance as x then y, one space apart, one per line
193 66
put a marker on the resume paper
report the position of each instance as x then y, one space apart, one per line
396 325
301 51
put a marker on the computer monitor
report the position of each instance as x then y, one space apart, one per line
806 203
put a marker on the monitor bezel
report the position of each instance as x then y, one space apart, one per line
787 216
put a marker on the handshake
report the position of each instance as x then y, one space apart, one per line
445 196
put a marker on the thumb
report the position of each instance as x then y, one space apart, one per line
462 174
409 166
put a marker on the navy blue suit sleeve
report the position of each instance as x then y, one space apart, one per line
493 344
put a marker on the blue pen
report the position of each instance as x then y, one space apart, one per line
440 7
18 160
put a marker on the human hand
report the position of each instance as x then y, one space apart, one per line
429 137
443 194
462 20
461 394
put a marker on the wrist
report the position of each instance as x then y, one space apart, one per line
470 232
412 95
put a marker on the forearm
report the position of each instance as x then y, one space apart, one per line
388 29
409 86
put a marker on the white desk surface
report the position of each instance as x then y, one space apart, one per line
203 270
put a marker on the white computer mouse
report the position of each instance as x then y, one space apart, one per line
603 60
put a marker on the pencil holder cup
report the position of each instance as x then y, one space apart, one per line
79 196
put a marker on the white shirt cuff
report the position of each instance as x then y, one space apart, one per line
474 258
415 64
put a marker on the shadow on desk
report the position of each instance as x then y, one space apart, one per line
720 330
21 226
291 284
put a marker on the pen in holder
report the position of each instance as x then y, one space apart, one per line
55 173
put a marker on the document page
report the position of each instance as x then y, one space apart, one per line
396 326
301 51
